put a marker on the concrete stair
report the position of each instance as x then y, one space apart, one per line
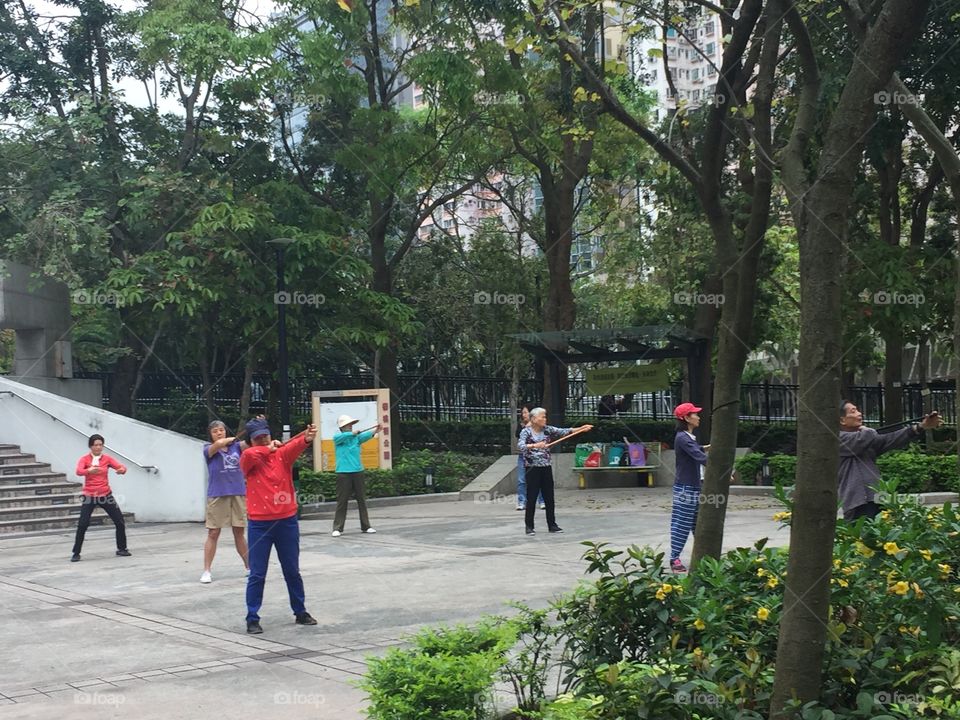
34 498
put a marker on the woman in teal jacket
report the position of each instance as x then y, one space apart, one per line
350 480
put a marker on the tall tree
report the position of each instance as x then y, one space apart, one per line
819 185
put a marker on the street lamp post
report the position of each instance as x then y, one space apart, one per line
281 300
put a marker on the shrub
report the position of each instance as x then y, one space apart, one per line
451 472
446 675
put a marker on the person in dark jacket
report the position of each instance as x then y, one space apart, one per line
859 448
690 458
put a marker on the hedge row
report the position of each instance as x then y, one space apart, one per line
449 471
913 470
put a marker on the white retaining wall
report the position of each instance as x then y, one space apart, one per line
175 492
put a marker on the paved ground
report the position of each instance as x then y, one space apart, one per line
141 637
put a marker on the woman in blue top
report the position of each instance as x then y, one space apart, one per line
226 495
690 457
532 445
350 478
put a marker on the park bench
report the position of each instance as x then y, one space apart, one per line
644 472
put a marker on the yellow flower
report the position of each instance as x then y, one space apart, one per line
761 572
885 515
864 550
927 555
891 548
957 589
763 614
666 588
772 582
781 516
698 652
842 583
759 559
945 569
851 569
699 624
660 596
917 590
836 562
900 588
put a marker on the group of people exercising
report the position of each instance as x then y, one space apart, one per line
250 485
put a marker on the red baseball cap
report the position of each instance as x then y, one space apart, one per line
684 409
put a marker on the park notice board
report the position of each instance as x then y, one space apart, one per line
369 406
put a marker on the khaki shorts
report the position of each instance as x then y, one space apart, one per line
227 511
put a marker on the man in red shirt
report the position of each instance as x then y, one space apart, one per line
272 517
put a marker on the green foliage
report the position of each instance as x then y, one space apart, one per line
451 472
446 675
912 470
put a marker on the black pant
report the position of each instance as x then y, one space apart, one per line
347 484
109 506
869 510
540 480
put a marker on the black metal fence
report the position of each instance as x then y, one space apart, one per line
447 397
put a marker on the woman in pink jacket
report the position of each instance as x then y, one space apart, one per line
93 468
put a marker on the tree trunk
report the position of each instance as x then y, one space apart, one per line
893 375
822 212
559 310
249 366
739 266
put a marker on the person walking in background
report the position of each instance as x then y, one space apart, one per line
859 448
350 478
521 468
94 468
226 495
533 447
272 511
690 457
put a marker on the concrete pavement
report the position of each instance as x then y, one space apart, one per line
141 637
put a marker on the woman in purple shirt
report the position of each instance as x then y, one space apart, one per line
226 495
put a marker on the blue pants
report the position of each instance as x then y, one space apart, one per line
285 536
522 483
683 519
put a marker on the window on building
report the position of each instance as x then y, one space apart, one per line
708 29
695 74
448 223
696 95
671 32
711 71
711 49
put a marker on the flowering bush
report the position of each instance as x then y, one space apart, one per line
640 642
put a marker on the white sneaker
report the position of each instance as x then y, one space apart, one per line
370 531
205 578
543 506
336 533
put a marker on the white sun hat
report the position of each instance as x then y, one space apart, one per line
345 421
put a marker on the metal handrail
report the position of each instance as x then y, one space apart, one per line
149 468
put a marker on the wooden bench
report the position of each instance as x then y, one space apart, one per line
644 472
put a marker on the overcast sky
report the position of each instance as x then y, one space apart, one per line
133 91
